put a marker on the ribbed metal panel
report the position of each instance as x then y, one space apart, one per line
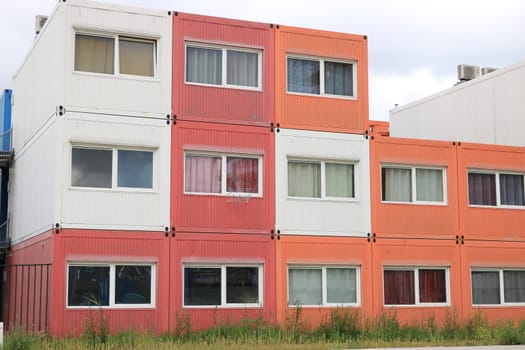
312 216
409 219
318 112
220 104
220 213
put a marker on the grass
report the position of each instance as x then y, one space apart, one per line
344 328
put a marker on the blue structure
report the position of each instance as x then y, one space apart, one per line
5 158
5 120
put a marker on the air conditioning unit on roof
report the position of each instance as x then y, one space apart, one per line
468 72
39 23
487 70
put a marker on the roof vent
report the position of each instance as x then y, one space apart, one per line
39 23
467 72
487 70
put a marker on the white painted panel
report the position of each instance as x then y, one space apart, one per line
488 109
114 94
322 216
117 208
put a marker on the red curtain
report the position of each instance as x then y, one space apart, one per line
399 287
242 175
432 286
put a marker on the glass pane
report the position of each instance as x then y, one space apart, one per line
432 286
341 285
399 287
429 185
135 169
242 68
514 286
339 180
303 76
202 174
338 78
242 285
485 287
91 167
511 189
203 65
88 286
304 179
242 175
304 287
94 54
396 184
132 284
202 286
137 57
481 189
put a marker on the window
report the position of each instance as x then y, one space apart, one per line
498 286
412 184
223 285
111 285
482 189
311 285
321 179
204 173
110 54
319 76
415 286
92 167
224 66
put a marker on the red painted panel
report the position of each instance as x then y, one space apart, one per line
321 251
220 249
219 104
409 219
109 247
489 222
221 213
323 113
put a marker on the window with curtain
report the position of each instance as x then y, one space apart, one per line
222 285
304 179
415 286
412 184
223 66
487 286
96 54
319 76
495 188
322 285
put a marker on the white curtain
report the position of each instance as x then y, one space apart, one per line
339 180
242 68
485 287
514 286
304 179
305 287
136 57
203 65
341 285
429 185
202 174
94 54
397 184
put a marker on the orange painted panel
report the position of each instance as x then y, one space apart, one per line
321 251
222 213
314 112
491 255
223 249
410 254
222 104
489 222
410 219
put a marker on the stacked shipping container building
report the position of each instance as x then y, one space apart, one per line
209 169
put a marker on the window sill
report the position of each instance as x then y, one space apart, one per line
323 199
411 306
325 306
229 307
511 207
337 97
231 87
437 204
114 190
112 307
118 76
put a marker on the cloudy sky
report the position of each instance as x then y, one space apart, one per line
414 46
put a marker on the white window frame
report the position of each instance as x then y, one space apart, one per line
224 49
323 163
416 269
116 59
112 284
224 174
223 268
501 285
114 168
412 169
497 175
321 61
324 290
